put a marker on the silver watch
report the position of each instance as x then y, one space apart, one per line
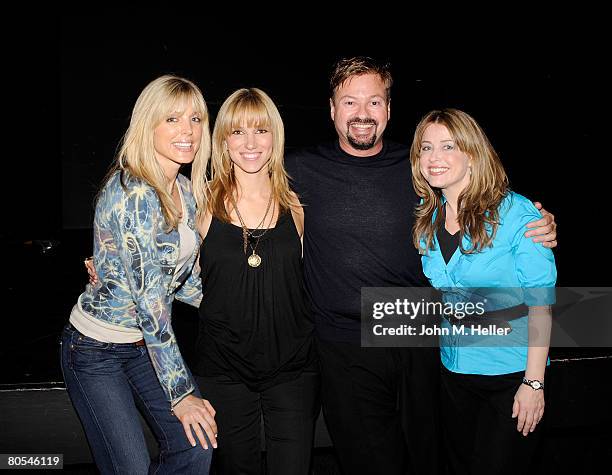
533 383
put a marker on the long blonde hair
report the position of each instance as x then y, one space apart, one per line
478 203
254 108
136 155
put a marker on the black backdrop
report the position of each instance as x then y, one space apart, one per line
537 101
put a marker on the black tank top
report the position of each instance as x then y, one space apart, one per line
255 323
448 242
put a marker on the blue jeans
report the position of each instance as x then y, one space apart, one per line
108 383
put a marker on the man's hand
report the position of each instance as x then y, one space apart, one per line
543 230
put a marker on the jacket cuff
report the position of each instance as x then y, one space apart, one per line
174 402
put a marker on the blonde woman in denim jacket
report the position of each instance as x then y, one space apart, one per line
119 353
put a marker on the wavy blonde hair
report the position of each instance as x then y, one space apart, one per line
478 203
251 108
136 155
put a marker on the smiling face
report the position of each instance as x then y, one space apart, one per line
250 148
360 111
441 162
177 137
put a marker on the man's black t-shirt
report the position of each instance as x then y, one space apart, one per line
359 214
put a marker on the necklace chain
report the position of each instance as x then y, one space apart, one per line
249 235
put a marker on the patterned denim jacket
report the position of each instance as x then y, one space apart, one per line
135 260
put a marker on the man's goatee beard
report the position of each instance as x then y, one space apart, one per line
361 145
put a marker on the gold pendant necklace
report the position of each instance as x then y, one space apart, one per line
254 260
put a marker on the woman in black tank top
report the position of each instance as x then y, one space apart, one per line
254 350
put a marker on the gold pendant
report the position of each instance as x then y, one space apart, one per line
254 260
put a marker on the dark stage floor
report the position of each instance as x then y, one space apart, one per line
42 421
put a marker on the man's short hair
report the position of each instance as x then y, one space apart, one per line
346 68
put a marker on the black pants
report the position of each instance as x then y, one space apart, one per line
381 407
289 413
480 434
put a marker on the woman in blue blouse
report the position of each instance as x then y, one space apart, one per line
469 229
119 352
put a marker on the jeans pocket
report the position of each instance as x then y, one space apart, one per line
90 356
